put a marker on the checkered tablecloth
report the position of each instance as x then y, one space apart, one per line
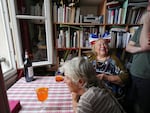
59 98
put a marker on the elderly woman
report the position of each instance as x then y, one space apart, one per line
109 68
80 77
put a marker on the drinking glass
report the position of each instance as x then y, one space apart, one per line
42 95
59 78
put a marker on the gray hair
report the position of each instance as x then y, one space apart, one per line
80 68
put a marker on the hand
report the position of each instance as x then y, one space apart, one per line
75 98
100 76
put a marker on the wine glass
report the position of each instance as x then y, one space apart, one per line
59 77
42 95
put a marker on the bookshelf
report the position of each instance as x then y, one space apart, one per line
116 17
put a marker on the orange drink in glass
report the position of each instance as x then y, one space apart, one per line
42 93
59 78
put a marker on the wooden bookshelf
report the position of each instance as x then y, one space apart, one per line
101 11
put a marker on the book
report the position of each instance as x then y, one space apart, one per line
112 6
116 15
138 4
112 16
14 106
108 16
134 1
67 14
128 20
55 14
72 16
134 14
125 6
112 43
81 38
60 14
67 38
77 15
119 16
119 43
112 3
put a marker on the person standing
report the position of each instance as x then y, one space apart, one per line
139 92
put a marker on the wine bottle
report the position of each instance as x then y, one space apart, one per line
28 69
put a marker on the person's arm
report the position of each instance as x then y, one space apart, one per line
120 79
144 37
75 99
111 78
132 48
149 38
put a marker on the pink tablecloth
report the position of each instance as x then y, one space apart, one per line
59 98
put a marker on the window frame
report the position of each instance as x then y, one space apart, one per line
8 36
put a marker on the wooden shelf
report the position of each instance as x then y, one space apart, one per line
84 24
82 30
62 49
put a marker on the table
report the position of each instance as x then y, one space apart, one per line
59 98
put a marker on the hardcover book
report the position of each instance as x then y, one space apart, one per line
14 106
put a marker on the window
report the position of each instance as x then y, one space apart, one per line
12 42
6 46
32 30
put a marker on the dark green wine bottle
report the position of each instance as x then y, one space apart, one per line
28 69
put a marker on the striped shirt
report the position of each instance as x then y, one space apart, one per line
97 100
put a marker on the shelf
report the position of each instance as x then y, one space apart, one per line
30 17
84 24
84 48
94 24
112 19
122 24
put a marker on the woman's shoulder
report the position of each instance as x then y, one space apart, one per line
117 61
94 92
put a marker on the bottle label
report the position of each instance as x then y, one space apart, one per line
30 71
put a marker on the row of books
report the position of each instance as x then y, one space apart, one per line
116 12
80 38
135 14
115 16
120 38
66 14
72 14
71 38
68 39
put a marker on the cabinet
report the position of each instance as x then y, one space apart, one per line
32 30
77 22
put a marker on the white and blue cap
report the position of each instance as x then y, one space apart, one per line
93 38
106 35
